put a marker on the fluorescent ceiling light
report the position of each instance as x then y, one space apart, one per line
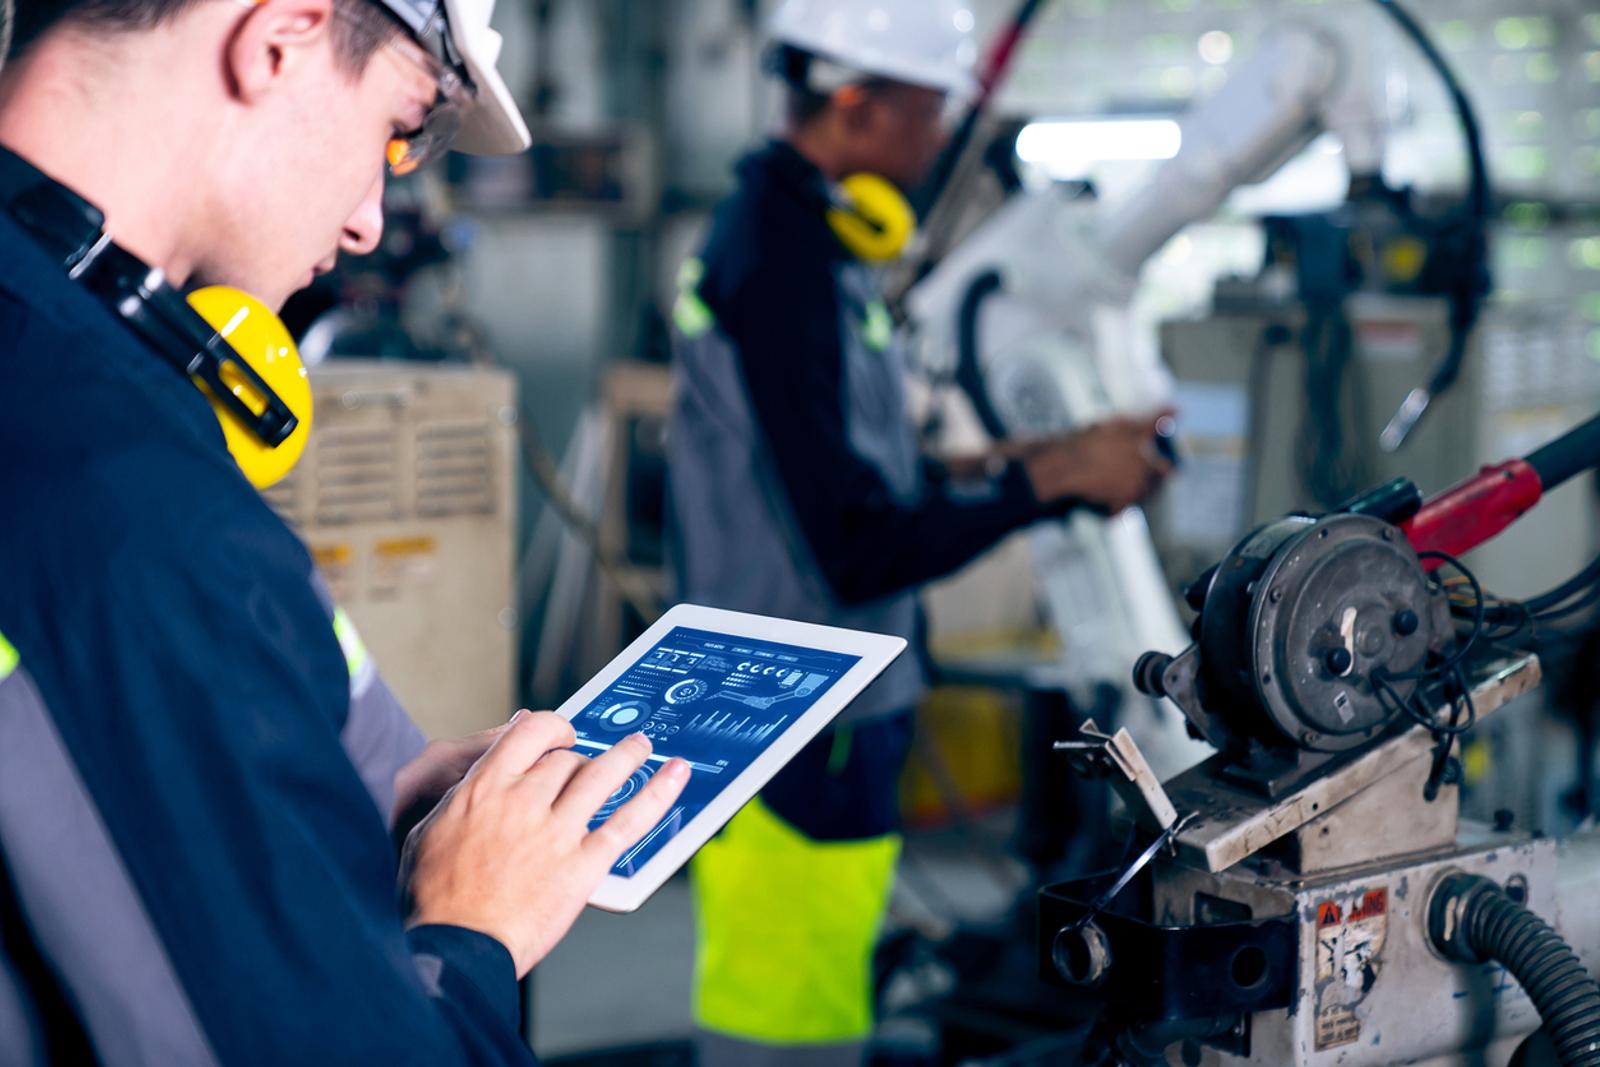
1068 149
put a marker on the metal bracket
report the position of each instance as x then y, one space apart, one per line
1116 757
1178 679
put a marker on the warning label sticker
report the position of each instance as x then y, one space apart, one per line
1337 1025
1350 934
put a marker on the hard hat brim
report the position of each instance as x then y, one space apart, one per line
493 126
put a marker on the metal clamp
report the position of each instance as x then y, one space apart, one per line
1117 758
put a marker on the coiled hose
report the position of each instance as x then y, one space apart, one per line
1472 920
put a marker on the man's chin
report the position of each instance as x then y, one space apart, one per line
276 298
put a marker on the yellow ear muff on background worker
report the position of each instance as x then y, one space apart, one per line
869 213
872 218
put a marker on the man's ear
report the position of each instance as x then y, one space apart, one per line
273 41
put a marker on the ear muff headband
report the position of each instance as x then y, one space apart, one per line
228 343
872 218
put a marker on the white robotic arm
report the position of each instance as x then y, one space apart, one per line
1299 86
1260 120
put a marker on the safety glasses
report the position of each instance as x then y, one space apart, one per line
416 147
412 149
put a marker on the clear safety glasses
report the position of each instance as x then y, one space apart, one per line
414 148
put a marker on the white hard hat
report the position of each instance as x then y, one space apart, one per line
919 42
457 32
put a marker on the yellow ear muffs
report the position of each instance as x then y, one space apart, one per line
262 341
872 218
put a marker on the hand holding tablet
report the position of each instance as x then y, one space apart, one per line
735 695
512 851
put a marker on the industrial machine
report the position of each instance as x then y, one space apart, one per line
406 498
1309 895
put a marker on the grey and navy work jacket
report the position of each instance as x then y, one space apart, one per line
797 486
195 778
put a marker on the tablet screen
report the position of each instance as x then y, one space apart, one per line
715 700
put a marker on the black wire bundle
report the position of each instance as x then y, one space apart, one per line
1516 620
1443 680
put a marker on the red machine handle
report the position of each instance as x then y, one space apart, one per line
1466 515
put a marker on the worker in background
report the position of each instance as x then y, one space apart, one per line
198 774
798 491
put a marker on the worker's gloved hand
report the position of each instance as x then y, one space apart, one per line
509 852
1109 466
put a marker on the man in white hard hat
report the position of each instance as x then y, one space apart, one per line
199 768
798 491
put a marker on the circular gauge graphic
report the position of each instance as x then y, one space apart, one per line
627 792
686 690
624 716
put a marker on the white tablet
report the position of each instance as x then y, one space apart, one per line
735 695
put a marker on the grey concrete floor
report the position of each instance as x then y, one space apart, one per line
622 980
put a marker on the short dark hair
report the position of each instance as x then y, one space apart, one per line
364 26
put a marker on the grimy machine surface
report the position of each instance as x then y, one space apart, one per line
1310 895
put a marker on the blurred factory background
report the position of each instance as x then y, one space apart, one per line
488 503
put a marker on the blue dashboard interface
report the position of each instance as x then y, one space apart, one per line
715 700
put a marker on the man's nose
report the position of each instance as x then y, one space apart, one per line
364 228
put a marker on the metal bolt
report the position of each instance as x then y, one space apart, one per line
1406 622
1310 737
1517 889
1277 595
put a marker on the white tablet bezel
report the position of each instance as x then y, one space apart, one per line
876 651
